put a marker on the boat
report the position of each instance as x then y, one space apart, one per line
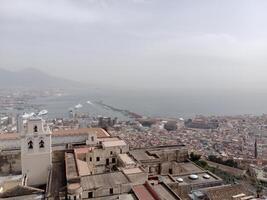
78 106
28 115
42 112
89 102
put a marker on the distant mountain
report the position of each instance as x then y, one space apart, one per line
34 78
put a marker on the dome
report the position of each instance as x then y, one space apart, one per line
193 176
180 180
206 176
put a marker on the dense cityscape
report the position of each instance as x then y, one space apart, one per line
232 147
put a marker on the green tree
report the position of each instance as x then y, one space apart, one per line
194 157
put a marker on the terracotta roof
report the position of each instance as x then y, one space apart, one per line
83 150
9 136
101 133
142 193
225 192
83 168
114 143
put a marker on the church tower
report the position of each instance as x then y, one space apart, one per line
36 151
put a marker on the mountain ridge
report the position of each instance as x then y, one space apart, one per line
34 78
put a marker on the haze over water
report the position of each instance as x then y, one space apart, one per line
170 58
175 104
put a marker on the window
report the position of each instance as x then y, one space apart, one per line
97 159
41 144
113 160
111 191
111 153
121 151
90 195
107 161
35 129
30 145
92 138
90 159
170 171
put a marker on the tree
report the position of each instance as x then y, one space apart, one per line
202 163
194 157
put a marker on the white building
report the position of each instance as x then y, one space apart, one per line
36 151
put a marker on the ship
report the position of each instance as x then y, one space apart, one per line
78 106
42 112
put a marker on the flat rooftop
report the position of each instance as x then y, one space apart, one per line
199 180
114 143
142 192
117 197
165 147
83 150
141 154
135 170
167 179
188 167
71 168
107 180
101 133
126 159
164 192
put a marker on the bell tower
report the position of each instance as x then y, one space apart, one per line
36 151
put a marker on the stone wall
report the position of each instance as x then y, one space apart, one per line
10 163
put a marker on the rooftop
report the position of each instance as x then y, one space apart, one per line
164 192
126 159
141 154
117 197
189 167
101 133
107 180
132 171
143 193
114 143
225 191
71 168
197 178
9 136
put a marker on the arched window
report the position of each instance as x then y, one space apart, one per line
35 129
30 145
41 144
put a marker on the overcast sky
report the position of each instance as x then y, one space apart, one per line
139 43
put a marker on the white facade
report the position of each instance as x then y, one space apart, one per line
36 151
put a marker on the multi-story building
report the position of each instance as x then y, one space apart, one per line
92 164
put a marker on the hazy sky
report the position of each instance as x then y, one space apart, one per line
139 43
